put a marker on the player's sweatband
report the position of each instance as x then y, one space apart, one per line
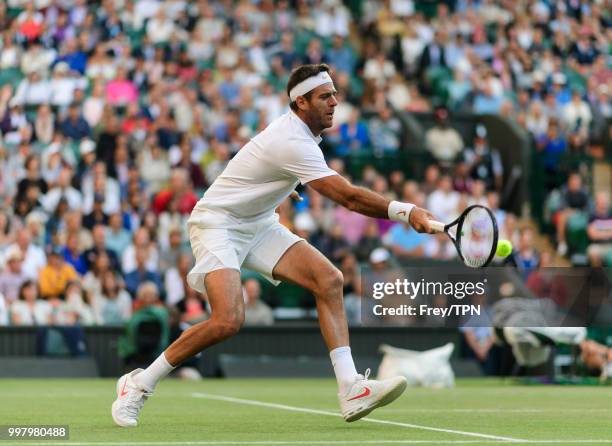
399 211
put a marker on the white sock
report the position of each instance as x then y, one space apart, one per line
153 374
344 367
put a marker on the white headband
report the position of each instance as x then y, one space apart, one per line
310 84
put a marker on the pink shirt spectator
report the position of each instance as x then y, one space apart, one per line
121 92
352 223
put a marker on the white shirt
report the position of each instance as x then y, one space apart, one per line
263 173
38 315
32 92
3 311
445 206
34 260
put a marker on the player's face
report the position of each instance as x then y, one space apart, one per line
322 103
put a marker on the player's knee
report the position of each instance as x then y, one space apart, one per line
229 324
330 282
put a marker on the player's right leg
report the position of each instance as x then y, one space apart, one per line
358 396
224 292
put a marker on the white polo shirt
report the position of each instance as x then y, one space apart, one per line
262 174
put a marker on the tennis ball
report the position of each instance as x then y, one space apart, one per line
504 248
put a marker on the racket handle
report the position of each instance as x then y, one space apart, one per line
436 225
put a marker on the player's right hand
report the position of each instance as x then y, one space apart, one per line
419 220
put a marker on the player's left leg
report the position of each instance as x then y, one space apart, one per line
303 265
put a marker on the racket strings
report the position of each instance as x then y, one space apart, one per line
477 237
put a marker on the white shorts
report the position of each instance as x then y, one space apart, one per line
258 246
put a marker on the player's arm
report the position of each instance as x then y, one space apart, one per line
367 202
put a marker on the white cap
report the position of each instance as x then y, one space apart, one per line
538 76
53 148
87 146
379 255
14 253
61 67
559 78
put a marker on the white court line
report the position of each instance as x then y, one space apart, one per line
335 414
229 442
291 442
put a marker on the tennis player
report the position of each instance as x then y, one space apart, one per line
234 225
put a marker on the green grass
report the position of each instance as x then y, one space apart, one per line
539 414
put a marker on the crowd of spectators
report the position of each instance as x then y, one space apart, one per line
116 115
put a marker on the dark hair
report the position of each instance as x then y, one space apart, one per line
302 73
23 286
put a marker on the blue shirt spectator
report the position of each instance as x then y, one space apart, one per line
341 55
353 135
75 126
404 241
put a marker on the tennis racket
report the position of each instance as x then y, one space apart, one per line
474 233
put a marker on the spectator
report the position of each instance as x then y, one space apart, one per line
87 150
4 314
444 201
341 55
434 54
117 238
101 185
385 132
171 252
97 216
44 125
574 199
404 242
32 178
334 244
443 141
484 162
12 277
76 309
121 91
92 282
74 56
99 246
33 90
526 258
256 312
62 190
140 274
56 275
75 127
175 278
73 255
141 241
354 136
577 114
112 305
369 241
34 258
63 85
179 189
600 231
29 310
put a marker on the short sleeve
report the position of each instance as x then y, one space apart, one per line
304 160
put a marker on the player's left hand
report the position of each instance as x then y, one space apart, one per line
296 196
419 220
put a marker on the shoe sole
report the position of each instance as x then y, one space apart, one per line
387 399
117 422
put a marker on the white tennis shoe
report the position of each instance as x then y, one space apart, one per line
366 395
130 399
